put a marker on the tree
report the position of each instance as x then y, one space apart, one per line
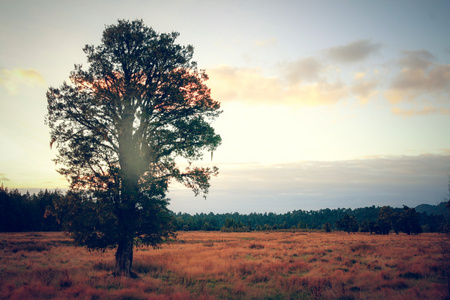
327 227
410 224
365 226
384 219
119 126
398 221
348 223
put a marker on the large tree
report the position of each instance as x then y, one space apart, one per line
119 126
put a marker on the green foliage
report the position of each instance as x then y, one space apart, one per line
348 223
90 220
119 126
25 212
406 220
384 221
327 227
365 226
410 221
298 219
141 103
232 226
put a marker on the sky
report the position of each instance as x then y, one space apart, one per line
326 104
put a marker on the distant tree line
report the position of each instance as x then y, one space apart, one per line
406 220
26 212
377 220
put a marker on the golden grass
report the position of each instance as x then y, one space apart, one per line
218 265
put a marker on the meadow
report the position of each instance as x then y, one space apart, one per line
219 265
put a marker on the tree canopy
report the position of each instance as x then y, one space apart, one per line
119 126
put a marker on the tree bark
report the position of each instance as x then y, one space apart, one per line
124 258
126 225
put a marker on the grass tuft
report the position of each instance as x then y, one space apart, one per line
104 266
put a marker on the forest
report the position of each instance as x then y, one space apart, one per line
22 212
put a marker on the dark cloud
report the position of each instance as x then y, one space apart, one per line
422 80
420 72
432 79
353 52
420 59
393 181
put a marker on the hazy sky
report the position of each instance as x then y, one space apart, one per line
325 103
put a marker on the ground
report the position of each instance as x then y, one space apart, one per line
218 265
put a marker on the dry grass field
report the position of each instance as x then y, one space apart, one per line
217 265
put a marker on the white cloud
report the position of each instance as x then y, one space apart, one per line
14 79
252 86
317 93
244 84
305 69
416 80
266 43
364 90
421 82
429 110
359 75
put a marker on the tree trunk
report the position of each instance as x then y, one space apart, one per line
126 212
124 258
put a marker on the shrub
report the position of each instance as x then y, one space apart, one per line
362 247
256 246
411 275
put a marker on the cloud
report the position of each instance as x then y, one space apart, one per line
359 75
246 84
420 59
13 79
429 110
3 177
250 85
420 73
394 181
416 78
353 52
421 81
433 79
317 93
364 89
303 69
266 43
